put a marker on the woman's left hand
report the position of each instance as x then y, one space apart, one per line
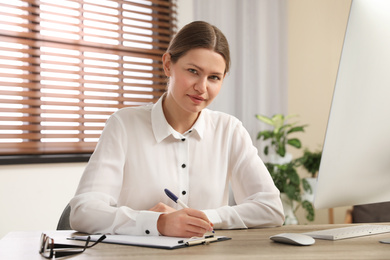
161 207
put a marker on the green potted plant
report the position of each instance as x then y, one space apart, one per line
282 167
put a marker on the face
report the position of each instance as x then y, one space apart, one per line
195 79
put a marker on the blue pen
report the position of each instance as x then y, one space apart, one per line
175 198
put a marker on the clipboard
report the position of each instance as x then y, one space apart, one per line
162 242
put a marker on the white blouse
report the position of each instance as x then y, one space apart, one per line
139 155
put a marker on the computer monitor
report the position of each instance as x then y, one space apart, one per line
355 164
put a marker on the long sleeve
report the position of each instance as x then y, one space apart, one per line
95 206
258 199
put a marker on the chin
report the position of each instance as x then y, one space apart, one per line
199 108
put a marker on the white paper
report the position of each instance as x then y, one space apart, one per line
148 241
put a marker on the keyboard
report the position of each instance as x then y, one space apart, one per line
349 232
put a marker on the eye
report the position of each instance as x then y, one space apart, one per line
215 78
193 71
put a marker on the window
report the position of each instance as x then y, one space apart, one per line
66 66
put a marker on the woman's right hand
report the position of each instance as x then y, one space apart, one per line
184 223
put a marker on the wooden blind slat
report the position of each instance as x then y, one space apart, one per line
36 87
98 99
63 120
51 127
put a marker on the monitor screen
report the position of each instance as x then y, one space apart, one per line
355 164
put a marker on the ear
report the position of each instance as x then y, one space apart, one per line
166 59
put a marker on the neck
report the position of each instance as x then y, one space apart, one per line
177 118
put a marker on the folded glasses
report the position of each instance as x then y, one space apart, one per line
49 249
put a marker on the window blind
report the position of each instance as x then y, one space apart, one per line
66 66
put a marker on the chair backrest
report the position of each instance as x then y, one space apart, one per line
63 223
376 212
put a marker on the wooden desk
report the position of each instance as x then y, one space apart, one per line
245 244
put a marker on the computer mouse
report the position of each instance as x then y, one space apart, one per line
293 239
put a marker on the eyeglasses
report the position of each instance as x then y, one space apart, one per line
48 249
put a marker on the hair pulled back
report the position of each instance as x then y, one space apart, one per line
199 34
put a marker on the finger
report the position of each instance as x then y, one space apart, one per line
197 225
197 214
200 219
196 231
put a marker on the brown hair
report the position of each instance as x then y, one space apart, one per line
199 34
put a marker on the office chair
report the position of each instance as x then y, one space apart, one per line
63 223
369 213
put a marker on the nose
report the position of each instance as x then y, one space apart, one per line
201 85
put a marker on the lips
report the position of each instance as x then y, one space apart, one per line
196 99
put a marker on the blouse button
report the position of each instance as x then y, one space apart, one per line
184 192
183 139
147 232
183 165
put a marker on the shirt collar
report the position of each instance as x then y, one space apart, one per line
162 129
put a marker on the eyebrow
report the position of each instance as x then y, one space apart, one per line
199 68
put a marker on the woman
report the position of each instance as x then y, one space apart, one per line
177 144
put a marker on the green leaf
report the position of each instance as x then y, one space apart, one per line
294 177
290 192
310 214
278 121
306 186
285 127
265 134
266 150
294 142
281 150
265 119
296 129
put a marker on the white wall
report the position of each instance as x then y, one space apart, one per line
184 12
33 196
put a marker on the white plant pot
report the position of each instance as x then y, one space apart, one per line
276 159
288 204
288 207
307 195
